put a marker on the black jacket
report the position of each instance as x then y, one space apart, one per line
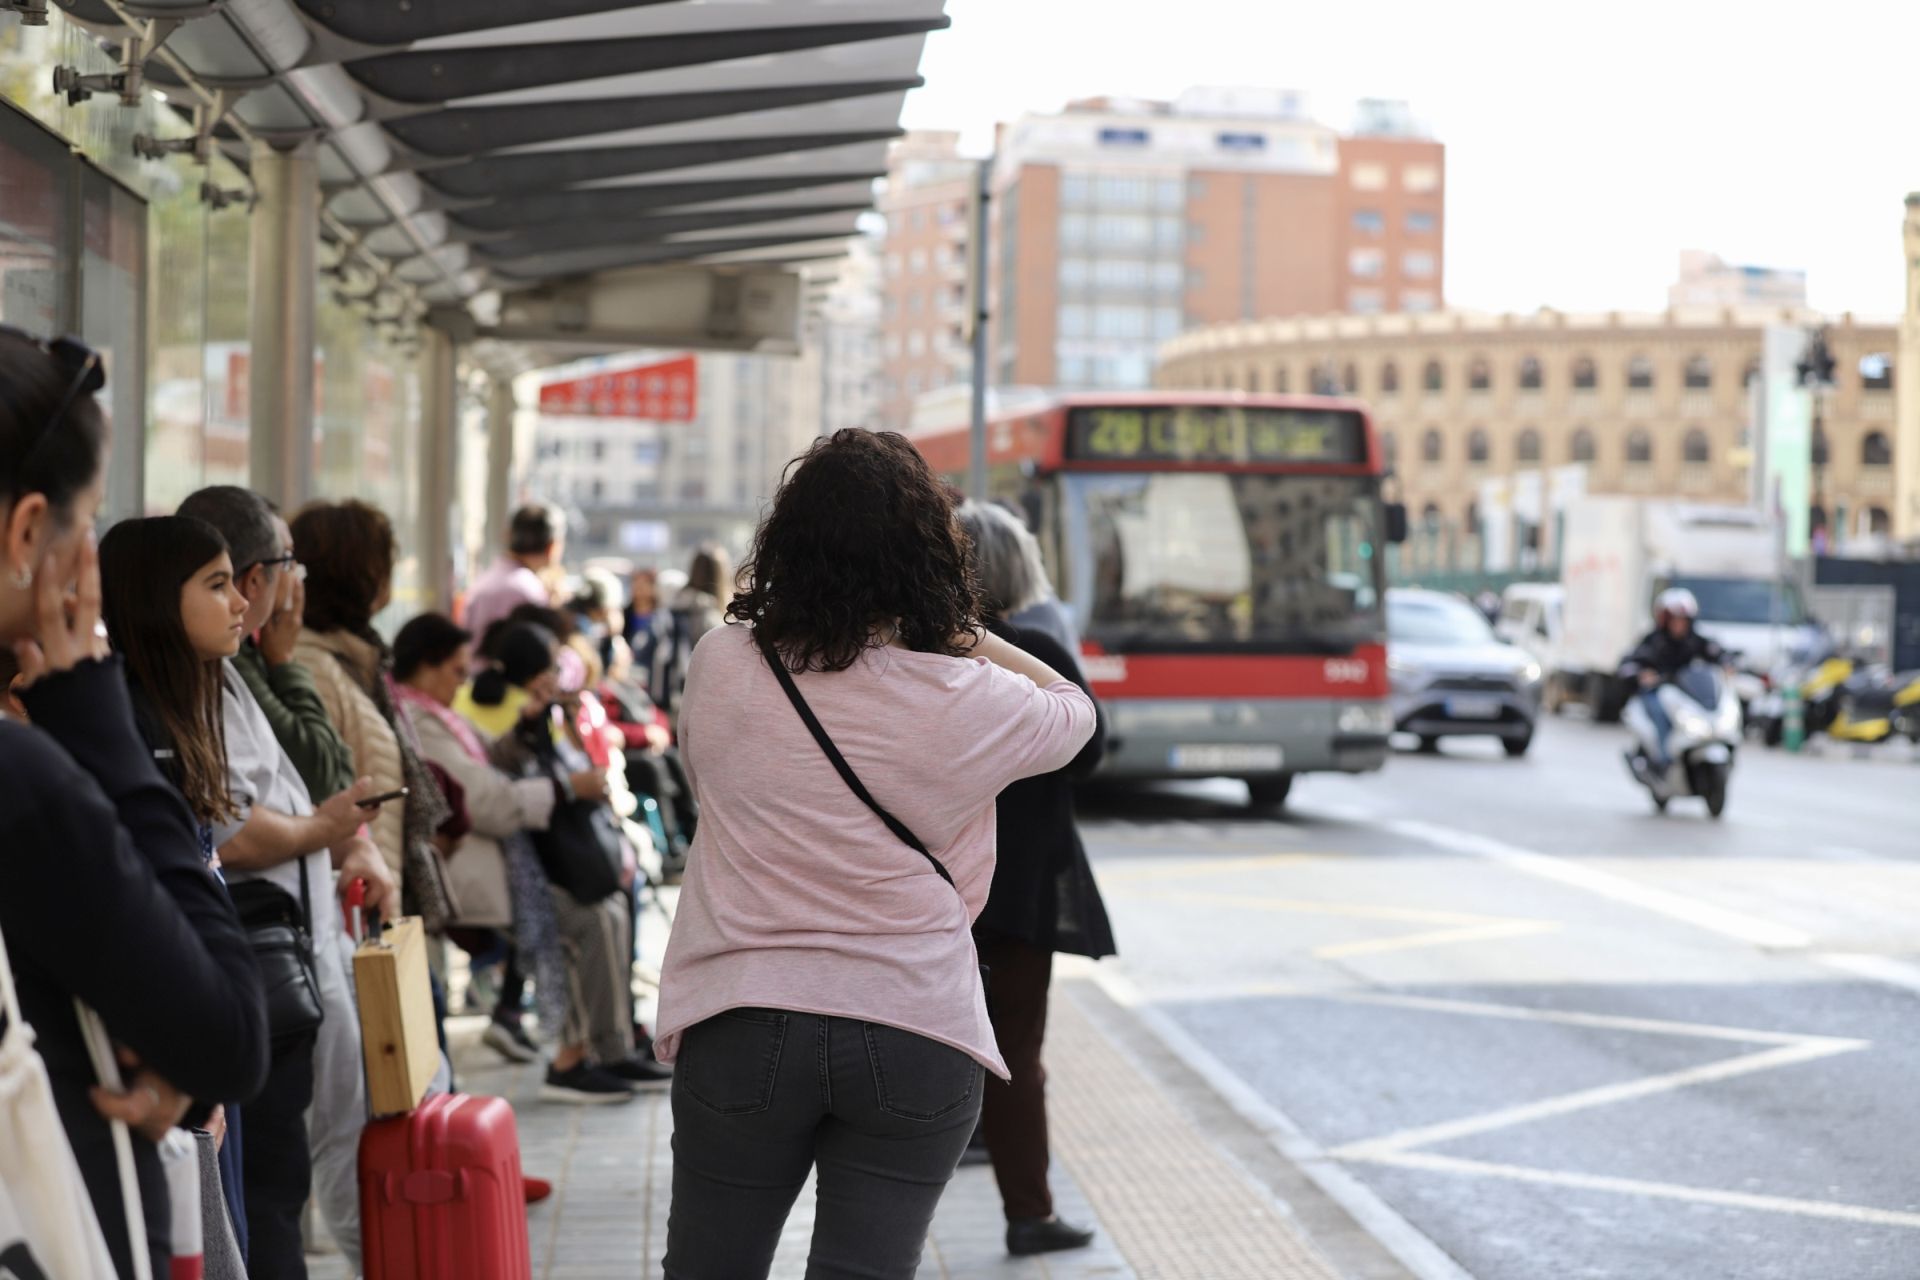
1666 656
103 896
1043 888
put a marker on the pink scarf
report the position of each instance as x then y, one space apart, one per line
457 725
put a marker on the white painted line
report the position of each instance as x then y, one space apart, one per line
1421 1256
1605 884
1895 973
1855 1213
1568 1017
1586 1099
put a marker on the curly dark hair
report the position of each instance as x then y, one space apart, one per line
861 537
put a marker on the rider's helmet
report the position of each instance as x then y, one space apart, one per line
1675 602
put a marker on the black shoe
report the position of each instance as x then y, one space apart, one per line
638 1070
511 1041
584 1084
1028 1236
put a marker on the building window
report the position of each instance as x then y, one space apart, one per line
1751 374
1073 321
1280 379
1369 177
1367 264
1478 450
1253 379
1389 376
1073 189
597 490
917 261
916 343
1418 301
1696 448
1876 450
1430 515
1418 264
1370 221
1115 191
1527 447
1879 522
1241 142
1640 374
1166 323
1531 376
1113 137
1479 375
1366 302
1639 449
1876 372
1433 377
1420 222
1350 378
1073 230
1699 374
1585 376
1420 178
1073 273
1432 447
1582 448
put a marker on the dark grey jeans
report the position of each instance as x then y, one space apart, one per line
761 1096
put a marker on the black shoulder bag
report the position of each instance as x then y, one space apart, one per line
281 931
848 776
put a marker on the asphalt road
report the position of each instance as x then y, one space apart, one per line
1557 1035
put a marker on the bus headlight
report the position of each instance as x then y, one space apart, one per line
1365 718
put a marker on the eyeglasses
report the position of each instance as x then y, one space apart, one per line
276 562
87 373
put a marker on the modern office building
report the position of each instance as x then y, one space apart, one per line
1122 223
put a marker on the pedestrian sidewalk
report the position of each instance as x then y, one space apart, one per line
1165 1196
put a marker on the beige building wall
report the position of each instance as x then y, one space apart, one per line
1907 383
1653 404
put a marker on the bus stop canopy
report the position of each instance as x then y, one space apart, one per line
614 172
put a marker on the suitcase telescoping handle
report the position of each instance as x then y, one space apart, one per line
363 923
425 1186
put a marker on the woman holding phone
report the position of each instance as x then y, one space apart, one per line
86 818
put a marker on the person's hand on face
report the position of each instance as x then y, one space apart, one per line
66 614
542 692
282 629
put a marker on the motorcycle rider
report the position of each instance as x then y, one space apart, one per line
1663 654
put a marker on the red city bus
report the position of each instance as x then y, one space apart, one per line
1221 556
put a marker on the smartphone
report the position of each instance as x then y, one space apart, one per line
374 802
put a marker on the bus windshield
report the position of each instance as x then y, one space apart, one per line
1200 562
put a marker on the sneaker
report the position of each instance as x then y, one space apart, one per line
511 1041
585 1085
637 1070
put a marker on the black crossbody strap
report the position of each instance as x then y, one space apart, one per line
840 764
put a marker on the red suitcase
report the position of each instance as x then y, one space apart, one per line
441 1196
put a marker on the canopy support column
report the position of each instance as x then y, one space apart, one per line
283 266
502 412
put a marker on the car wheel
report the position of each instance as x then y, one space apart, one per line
1429 745
1269 793
1516 747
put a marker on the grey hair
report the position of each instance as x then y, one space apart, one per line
242 517
1006 558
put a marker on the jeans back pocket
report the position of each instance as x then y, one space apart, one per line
729 1062
918 1078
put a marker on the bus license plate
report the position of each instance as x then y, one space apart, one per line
1226 758
1472 708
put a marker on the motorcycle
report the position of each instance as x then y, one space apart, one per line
1820 676
1876 705
1704 711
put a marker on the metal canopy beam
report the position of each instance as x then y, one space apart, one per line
441 75
591 234
467 131
628 203
573 262
396 24
546 171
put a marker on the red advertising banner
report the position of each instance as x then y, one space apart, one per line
665 392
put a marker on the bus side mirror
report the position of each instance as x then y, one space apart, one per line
1396 522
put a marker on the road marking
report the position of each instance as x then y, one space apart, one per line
1702 915
1587 1099
1606 884
1564 1017
1420 1255
1856 1213
1459 927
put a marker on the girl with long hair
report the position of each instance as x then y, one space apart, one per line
174 614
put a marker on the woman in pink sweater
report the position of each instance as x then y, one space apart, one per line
821 998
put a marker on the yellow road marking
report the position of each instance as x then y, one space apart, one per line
1438 938
1208 866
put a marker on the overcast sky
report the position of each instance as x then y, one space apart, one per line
1587 143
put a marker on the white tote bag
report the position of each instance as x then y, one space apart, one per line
46 1216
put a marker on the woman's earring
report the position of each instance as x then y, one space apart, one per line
22 578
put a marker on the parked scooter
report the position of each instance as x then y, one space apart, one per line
1820 675
1877 704
1705 713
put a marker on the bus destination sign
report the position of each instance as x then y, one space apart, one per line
1216 433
